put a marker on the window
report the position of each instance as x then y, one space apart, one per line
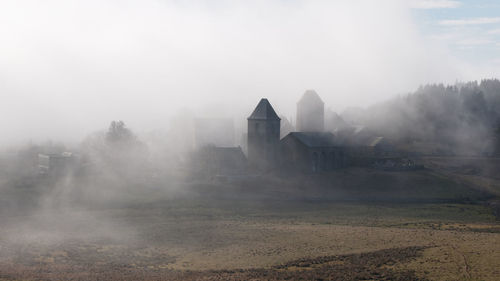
315 162
322 163
332 160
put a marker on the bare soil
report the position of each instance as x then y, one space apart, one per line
308 241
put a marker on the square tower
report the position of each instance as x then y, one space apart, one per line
263 136
310 113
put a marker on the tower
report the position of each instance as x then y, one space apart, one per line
310 113
263 136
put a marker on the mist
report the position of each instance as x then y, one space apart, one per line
67 67
236 140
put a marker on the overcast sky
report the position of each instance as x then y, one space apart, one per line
68 68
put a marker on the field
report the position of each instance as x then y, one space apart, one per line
417 226
232 240
477 171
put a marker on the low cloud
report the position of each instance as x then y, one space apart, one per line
434 4
494 31
69 67
474 42
473 21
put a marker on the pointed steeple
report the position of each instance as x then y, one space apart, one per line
264 111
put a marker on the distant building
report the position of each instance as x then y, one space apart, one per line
263 136
365 147
222 161
310 113
213 131
28 159
56 164
312 152
370 149
286 127
380 147
334 122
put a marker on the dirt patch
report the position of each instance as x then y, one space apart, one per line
377 265
237 242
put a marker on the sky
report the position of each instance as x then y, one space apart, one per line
67 68
469 29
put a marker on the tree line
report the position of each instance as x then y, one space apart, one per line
457 119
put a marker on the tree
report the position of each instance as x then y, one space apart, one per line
118 132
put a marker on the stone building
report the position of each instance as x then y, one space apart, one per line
312 152
310 113
263 137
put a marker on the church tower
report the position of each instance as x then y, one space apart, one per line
310 113
263 136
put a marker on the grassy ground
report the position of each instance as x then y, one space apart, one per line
353 184
351 224
188 239
479 172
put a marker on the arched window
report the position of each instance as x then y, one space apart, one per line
322 162
315 162
331 160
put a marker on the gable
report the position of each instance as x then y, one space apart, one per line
264 111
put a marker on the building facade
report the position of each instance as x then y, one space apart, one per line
312 152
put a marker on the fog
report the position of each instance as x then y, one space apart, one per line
69 67
124 145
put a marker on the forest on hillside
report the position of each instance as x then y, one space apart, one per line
460 119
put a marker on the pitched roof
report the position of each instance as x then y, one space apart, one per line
310 96
264 111
359 136
314 139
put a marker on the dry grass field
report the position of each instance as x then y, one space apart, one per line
268 240
352 224
480 172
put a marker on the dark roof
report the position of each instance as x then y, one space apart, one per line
375 141
334 122
264 111
359 136
310 96
314 139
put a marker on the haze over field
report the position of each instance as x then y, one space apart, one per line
237 140
68 67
